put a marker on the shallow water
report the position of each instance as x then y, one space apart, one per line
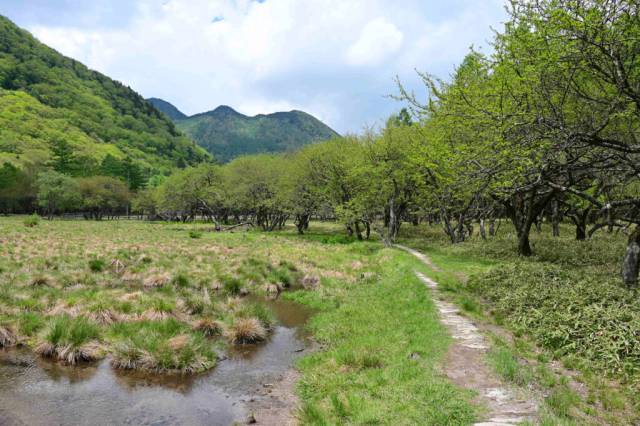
38 392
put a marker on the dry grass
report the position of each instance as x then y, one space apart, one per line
7 337
209 327
246 330
157 280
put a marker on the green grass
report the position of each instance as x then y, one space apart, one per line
365 373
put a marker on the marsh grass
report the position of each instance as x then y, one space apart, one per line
131 287
70 340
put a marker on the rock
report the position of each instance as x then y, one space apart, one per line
251 419
310 282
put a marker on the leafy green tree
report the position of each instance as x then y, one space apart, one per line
62 157
103 195
57 193
17 191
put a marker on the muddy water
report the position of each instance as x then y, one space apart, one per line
37 392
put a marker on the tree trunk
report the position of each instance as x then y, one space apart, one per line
524 248
555 218
631 262
492 228
610 221
356 225
393 221
581 225
483 233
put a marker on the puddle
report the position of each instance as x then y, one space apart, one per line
37 392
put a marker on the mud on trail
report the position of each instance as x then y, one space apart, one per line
466 366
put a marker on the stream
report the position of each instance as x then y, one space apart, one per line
34 391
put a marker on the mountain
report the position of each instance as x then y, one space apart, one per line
168 109
47 99
227 134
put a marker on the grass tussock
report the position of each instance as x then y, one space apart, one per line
71 340
157 280
209 327
7 337
246 331
161 346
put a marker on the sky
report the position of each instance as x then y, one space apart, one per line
335 59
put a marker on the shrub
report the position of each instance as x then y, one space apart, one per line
97 265
231 285
195 234
31 221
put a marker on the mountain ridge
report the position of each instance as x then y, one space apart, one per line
227 133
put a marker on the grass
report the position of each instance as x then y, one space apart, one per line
144 293
564 306
369 330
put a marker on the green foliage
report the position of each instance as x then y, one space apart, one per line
32 221
569 313
54 109
57 193
97 265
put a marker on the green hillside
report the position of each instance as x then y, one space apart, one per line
168 109
227 134
47 99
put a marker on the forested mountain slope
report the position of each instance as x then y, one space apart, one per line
168 109
47 99
227 134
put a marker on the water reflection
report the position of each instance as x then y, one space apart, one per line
34 391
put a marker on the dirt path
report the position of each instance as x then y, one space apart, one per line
278 403
466 365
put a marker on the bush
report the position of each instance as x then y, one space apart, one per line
195 234
32 220
231 285
571 312
97 265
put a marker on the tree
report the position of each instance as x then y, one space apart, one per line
17 191
102 195
57 193
62 157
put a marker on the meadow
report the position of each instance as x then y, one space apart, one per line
168 298
158 297
173 298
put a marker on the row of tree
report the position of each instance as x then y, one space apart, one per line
545 128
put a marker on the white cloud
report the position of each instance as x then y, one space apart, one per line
378 40
332 58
